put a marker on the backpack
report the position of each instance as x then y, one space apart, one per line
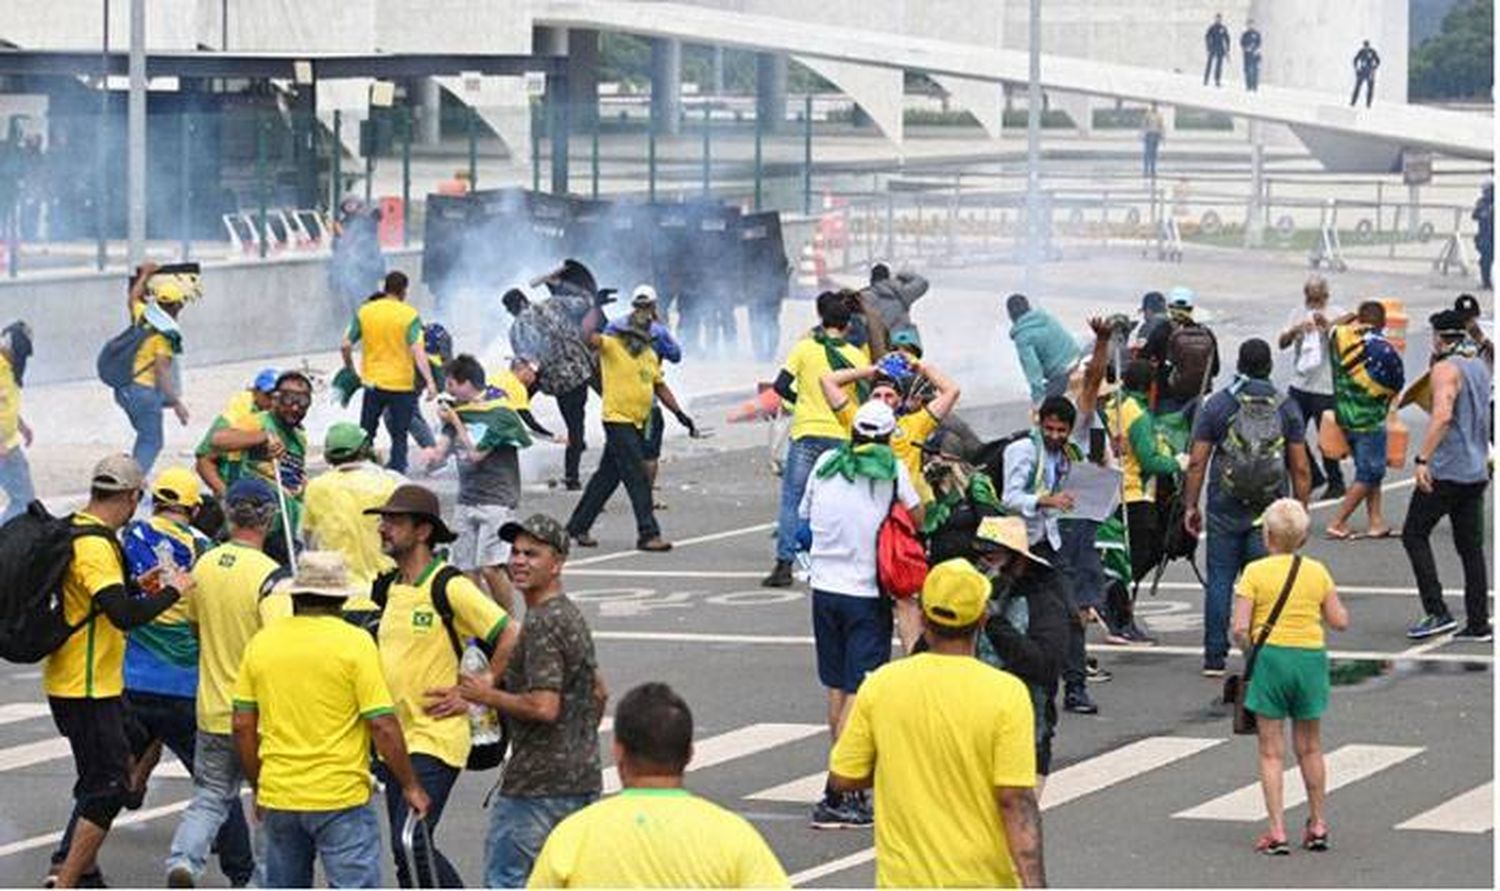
990 458
900 558
482 757
115 363
1252 457
1190 352
36 550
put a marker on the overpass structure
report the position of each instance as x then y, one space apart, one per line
1357 136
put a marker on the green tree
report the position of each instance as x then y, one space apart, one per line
1458 62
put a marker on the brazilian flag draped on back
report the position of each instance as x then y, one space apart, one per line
492 423
1367 375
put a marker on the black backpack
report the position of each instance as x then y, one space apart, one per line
36 550
480 757
1190 351
991 458
116 361
1252 457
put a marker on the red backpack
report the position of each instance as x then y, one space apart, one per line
900 559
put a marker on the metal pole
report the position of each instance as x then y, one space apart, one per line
707 151
651 156
594 158
807 154
260 179
101 192
185 183
1254 231
406 176
135 151
536 149
336 187
1033 143
473 150
759 167
370 158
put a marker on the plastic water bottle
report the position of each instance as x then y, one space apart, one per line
484 724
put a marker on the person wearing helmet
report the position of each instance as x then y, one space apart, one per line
216 469
15 473
154 302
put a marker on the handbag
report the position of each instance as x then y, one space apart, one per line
1237 687
900 558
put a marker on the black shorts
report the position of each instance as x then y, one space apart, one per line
95 729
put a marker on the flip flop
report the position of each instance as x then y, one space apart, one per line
1387 532
1340 535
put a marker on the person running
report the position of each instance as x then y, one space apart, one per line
849 493
1367 377
309 700
234 597
1265 456
417 661
1311 388
552 698
479 424
84 677
630 371
275 450
655 833
15 434
1452 473
947 743
815 429
1047 352
155 377
333 516
217 468
392 357
1216 41
1365 63
1290 677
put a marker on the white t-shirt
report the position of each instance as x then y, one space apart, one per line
845 518
1312 373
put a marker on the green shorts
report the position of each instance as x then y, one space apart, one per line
1289 682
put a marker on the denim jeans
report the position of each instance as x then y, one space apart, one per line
801 455
518 827
15 481
346 841
1083 576
398 408
1228 553
143 406
437 778
1463 504
216 803
623 461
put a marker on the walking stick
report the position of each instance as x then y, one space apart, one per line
286 521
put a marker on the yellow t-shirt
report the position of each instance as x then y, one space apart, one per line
629 382
1301 621
418 656
240 405
91 663
940 733
807 363
314 681
387 327
333 519
10 407
155 345
231 601
656 838
516 395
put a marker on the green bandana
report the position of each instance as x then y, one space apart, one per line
838 361
981 491
870 460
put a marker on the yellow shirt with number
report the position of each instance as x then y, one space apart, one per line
629 382
656 838
807 363
516 394
387 327
940 733
417 655
1301 621
91 663
232 599
314 682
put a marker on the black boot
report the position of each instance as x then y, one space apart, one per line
780 577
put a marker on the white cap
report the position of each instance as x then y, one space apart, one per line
874 419
644 295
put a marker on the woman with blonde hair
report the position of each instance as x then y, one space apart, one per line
1290 680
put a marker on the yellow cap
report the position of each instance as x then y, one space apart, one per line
955 594
177 486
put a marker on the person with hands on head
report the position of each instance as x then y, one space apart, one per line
309 700
392 356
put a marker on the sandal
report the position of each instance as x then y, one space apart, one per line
1271 845
1314 841
1334 534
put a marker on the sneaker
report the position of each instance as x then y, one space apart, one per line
1431 626
572 485
584 540
1475 635
835 812
656 545
1079 702
180 876
1095 673
1138 637
780 577
94 878
862 809
1213 668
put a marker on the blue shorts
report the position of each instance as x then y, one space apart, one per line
852 636
1368 449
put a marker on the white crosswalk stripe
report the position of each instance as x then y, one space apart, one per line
1472 812
17 757
733 745
13 712
1345 765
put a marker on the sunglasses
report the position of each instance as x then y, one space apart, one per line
294 400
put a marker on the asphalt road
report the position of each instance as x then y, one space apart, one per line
1137 797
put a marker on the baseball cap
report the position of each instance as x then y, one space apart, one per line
643 296
117 473
1005 532
909 339
343 440
1467 305
1181 298
265 381
540 527
874 418
177 486
955 594
249 490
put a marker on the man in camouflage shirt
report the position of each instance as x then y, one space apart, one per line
552 699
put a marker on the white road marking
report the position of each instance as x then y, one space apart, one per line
740 743
47 840
1472 812
827 869
17 757
686 542
1345 765
12 712
1388 487
803 790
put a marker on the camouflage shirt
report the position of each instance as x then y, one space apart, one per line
555 652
